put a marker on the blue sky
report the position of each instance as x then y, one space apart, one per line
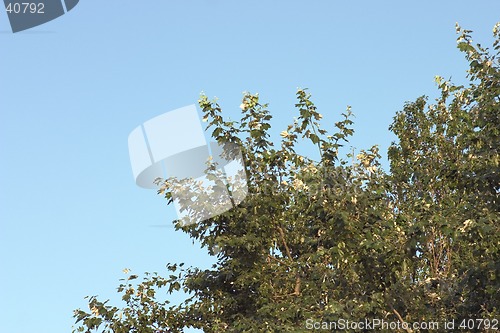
71 217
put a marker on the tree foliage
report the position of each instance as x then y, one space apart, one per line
339 238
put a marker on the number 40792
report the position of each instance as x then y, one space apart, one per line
25 7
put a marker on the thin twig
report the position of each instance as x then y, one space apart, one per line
401 319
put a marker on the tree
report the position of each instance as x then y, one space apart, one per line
338 238
445 172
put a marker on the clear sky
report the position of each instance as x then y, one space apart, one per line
71 217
